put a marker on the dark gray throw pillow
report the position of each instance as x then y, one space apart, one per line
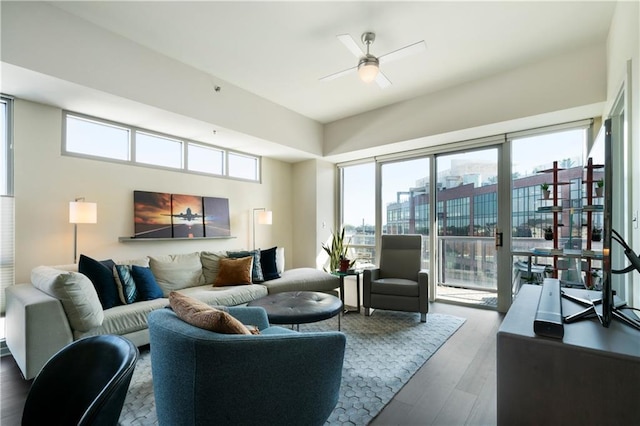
269 265
101 275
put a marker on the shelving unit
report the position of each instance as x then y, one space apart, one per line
555 209
569 258
576 258
590 209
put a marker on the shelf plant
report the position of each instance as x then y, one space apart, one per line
596 234
548 233
545 190
599 187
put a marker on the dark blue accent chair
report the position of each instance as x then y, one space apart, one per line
278 377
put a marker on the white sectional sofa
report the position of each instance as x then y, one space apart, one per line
61 305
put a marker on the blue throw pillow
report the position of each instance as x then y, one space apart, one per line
268 262
256 271
146 285
101 275
126 285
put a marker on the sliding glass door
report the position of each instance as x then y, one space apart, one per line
466 209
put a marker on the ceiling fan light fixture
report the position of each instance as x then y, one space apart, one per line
368 68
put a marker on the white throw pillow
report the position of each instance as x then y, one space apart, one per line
280 259
177 271
76 293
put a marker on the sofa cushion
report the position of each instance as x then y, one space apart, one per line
76 293
101 275
256 271
303 279
125 283
268 263
201 315
125 319
146 285
175 272
226 296
234 271
211 264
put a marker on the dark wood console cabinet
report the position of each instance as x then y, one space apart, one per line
590 377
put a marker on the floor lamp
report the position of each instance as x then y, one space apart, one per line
265 217
81 212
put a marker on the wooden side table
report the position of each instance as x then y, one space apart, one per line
341 275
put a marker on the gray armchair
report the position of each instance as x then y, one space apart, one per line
398 284
277 377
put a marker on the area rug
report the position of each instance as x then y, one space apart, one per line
383 352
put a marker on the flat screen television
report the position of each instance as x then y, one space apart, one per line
607 226
602 153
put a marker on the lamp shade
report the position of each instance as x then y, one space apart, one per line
265 217
83 212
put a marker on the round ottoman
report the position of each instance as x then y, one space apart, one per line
299 307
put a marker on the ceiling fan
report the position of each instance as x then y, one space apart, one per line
369 65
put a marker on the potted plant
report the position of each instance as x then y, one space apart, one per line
599 188
548 233
337 251
546 193
596 234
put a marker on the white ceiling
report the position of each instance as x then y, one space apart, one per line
279 50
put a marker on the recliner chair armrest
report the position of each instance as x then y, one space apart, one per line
368 275
371 274
423 278
423 285
250 315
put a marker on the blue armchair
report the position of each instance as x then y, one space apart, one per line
277 377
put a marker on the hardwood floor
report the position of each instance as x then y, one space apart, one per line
13 391
457 386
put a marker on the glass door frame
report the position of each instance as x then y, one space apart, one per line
503 227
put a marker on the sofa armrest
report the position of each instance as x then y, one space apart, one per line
36 327
250 315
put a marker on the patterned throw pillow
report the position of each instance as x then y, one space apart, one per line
234 271
125 283
201 315
256 271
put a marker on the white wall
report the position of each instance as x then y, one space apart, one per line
623 45
314 206
45 181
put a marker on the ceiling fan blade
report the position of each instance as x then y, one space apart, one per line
382 80
411 49
351 44
338 74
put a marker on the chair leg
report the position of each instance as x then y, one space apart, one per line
367 312
423 317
